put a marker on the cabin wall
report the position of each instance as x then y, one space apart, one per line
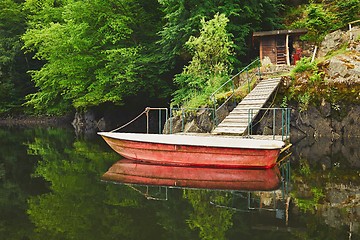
280 49
268 49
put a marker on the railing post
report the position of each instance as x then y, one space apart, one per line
248 80
147 120
282 124
288 121
159 121
215 115
248 127
170 130
259 65
182 120
166 118
274 125
233 93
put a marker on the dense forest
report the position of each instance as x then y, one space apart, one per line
60 56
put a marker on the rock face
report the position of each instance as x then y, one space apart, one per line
332 42
337 39
316 123
338 199
199 122
202 121
344 68
87 123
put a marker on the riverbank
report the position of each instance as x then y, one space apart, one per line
26 120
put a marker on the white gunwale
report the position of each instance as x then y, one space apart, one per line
197 140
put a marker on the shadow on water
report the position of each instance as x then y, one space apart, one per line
51 188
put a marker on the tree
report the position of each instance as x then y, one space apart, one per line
210 64
321 17
347 10
13 82
95 52
318 21
182 19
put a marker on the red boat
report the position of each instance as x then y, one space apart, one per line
195 150
134 172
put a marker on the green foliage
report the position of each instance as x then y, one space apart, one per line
304 65
211 50
322 17
95 52
78 203
308 86
318 21
284 103
304 167
212 222
308 80
13 82
347 10
310 204
210 64
182 19
98 52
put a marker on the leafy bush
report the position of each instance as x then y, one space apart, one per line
210 64
304 65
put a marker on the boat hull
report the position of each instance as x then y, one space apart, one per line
194 155
134 172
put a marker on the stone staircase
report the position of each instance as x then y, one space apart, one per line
237 121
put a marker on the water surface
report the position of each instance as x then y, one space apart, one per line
51 188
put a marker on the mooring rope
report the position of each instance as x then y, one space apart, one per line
125 125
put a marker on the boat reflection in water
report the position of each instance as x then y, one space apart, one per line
135 172
251 189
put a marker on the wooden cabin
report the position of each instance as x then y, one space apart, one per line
279 47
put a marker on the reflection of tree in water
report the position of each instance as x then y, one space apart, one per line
79 205
212 222
328 197
15 183
75 204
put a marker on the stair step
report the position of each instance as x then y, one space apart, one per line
242 122
249 106
258 94
269 81
238 131
241 111
270 85
251 101
265 88
263 97
239 116
244 126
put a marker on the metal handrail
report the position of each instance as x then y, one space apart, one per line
148 109
231 80
285 121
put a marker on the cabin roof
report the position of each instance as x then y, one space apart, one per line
280 32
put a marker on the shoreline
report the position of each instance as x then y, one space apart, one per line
25 120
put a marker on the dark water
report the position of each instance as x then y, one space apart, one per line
50 188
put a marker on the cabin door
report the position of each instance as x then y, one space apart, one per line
281 49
